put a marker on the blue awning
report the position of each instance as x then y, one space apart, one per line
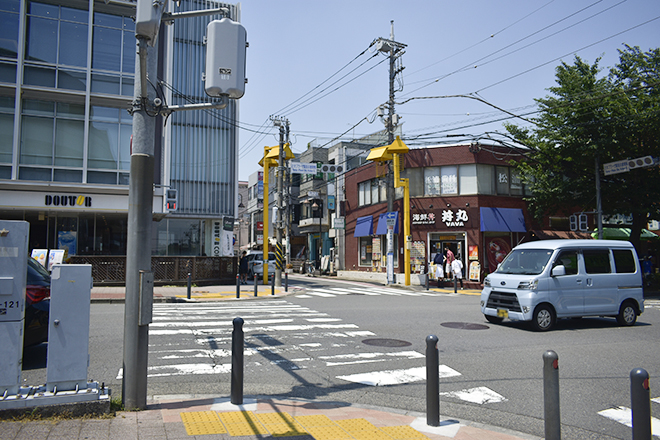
381 229
502 220
364 226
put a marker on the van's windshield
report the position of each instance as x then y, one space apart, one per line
525 262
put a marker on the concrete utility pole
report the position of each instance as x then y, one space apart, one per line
280 199
394 51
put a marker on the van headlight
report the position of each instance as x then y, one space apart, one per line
529 285
486 282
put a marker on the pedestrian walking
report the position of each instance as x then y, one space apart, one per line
243 268
449 258
439 261
457 270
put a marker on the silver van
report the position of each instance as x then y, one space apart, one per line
545 280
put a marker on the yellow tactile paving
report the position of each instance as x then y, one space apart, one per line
355 424
281 424
202 423
403 432
329 433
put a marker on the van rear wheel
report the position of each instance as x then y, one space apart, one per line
543 318
627 314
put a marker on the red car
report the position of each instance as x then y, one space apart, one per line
37 301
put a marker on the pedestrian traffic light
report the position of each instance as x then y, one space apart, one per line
171 199
574 222
583 223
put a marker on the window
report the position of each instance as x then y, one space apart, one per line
415 181
9 20
365 251
502 174
568 259
431 181
364 193
597 261
516 183
448 180
624 261
486 179
371 191
467 183
6 129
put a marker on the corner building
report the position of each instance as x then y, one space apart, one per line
467 198
67 72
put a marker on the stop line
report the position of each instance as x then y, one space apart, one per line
332 292
195 339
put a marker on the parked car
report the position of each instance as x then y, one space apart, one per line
546 280
256 264
37 301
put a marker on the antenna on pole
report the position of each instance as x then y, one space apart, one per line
392 30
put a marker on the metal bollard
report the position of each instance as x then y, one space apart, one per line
640 396
238 286
255 284
432 381
427 281
286 281
455 284
272 285
237 345
551 395
189 285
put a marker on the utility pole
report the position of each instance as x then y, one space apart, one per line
394 51
283 124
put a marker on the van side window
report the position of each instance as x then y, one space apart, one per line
568 259
624 261
597 260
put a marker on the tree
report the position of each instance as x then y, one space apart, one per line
586 121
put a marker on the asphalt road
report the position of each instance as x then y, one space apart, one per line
318 346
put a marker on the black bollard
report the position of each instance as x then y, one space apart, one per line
255 284
237 362
432 381
640 396
551 395
238 286
427 281
286 281
272 285
189 285
455 284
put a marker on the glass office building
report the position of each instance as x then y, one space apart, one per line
67 72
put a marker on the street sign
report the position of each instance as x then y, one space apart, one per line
303 168
390 219
620 166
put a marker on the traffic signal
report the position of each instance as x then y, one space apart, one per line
171 199
641 162
574 222
583 223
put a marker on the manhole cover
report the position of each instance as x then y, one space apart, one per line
464 325
381 342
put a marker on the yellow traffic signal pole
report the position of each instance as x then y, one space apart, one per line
394 152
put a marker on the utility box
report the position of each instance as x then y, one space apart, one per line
68 329
226 43
13 275
148 14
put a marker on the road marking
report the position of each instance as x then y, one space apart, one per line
480 395
321 294
623 415
364 358
396 377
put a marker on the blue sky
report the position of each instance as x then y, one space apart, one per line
504 52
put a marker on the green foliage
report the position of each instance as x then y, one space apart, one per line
588 120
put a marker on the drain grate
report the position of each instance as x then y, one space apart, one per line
465 325
384 342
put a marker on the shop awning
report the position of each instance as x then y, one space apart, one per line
502 220
364 226
623 234
381 229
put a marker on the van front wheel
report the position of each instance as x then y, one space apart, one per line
543 318
627 314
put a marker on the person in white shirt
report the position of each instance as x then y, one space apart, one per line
457 269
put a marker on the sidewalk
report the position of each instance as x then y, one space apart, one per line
216 418
209 418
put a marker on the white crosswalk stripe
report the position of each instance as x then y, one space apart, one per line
623 415
195 339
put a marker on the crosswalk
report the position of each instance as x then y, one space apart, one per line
195 339
332 292
623 415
